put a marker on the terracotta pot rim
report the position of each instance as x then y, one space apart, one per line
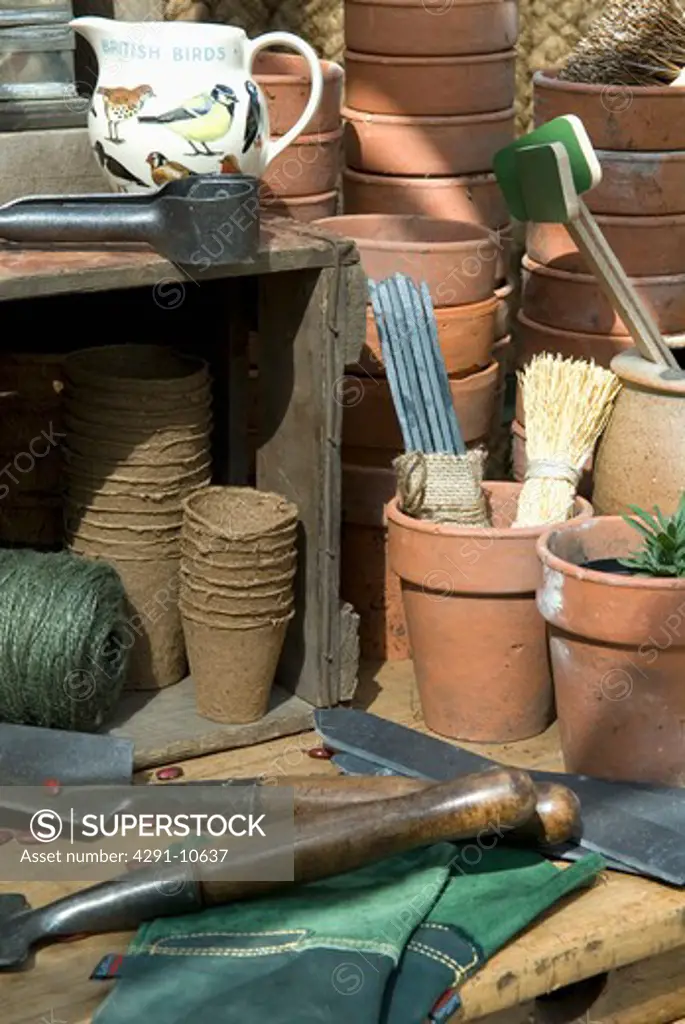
423 120
474 380
431 62
312 198
675 341
317 138
501 342
469 310
630 366
549 77
503 291
422 3
472 232
546 270
560 565
631 156
329 69
491 532
661 221
439 181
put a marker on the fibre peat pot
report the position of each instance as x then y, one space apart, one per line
309 166
478 641
401 28
430 86
240 514
651 183
575 302
641 118
285 80
241 695
645 246
366 579
474 198
372 422
465 333
151 372
641 457
397 144
618 656
453 258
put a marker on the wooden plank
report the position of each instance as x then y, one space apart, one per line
34 272
165 725
302 358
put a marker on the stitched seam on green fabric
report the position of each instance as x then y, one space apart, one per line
314 942
460 970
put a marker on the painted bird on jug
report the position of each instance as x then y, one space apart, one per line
121 105
162 171
115 168
254 116
201 120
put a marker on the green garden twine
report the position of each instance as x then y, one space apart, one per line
64 640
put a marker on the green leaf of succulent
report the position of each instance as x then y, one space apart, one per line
663 549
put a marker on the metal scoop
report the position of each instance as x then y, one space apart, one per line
199 221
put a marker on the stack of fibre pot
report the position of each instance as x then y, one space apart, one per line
458 262
302 182
429 100
31 433
237 571
138 424
639 136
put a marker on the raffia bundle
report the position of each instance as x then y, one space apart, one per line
567 405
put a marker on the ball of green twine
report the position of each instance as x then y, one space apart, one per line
63 640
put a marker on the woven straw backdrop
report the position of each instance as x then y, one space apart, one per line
548 29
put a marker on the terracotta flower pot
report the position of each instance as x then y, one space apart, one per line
519 462
505 303
476 199
284 79
372 423
401 27
535 338
466 335
645 246
575 302
366 579
302 208
430 86
396 144
648 183
641 458
453 258
308 167
618 657
478 641
643 118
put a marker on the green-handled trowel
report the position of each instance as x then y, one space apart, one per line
542 176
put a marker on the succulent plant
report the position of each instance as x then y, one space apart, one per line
663 549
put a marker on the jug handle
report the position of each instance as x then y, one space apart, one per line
275 146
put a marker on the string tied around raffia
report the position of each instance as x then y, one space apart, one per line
443 488
554 469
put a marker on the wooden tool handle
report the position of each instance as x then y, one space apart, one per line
556 817
345 838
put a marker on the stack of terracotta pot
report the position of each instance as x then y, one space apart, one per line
31 432
429 101
302 182
458 262
137 421
237 574
639 135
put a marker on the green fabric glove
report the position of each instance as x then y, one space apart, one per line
376 946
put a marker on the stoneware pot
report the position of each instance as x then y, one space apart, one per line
395 144
536 338
476 199
430 86
466 335
310 166
183 100
642 118
478 641
618 656
645 246
302 208
366 579
401 28
458 261
286 83
371 422
519 462
575 302
641 457
648 183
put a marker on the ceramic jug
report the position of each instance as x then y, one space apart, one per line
178 98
